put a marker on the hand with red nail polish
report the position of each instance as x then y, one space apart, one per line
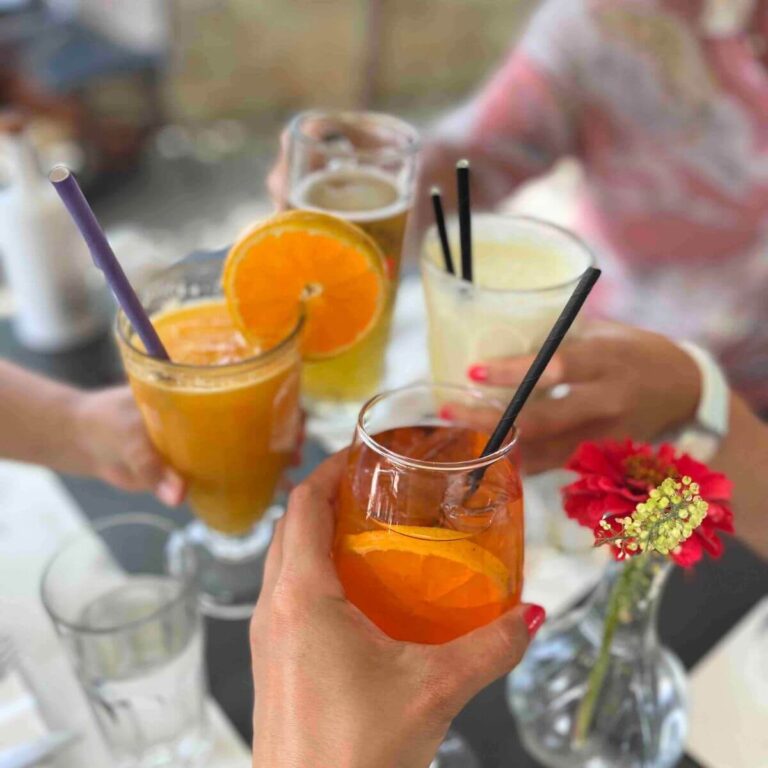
324 673
611 382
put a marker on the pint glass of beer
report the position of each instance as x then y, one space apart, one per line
359 166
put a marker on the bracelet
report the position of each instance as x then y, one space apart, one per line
702 437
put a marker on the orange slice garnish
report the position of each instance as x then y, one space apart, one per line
431 567
311 263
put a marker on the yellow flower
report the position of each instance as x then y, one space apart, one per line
661 523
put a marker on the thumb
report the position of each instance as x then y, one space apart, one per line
482 656
150 472
171 489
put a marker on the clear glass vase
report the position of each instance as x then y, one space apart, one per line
580 702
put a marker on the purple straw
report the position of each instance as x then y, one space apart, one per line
104 258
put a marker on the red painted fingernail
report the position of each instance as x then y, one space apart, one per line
446 412
478 372
534 616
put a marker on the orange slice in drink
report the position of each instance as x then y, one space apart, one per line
311 263
431 568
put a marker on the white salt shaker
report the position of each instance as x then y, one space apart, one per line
59 298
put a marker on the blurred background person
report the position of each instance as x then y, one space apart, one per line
664 103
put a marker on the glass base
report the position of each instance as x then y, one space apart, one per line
454 752
192 750
230 567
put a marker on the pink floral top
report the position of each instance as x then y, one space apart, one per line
671 127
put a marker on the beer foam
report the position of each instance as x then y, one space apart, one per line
299 197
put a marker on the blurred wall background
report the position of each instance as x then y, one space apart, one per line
104 75
245 59
238 58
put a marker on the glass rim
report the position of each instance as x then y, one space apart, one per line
189 584
190 368
435 466
411 134
561 231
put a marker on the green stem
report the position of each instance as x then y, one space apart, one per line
619 593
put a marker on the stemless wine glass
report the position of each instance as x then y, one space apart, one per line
359 166
524 271
229 428
429 537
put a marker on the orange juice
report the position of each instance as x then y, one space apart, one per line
224 414
425 563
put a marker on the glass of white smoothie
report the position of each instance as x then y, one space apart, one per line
524 270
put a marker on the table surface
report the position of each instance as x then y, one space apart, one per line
698 607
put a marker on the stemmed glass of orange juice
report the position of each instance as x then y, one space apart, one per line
424 556
224 413
224 410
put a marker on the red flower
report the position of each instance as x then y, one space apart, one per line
616 476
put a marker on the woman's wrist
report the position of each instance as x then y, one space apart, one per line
293 752
76 423
39 418
351 745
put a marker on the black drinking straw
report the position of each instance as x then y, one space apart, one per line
437 205
531 378
104 258
465 219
